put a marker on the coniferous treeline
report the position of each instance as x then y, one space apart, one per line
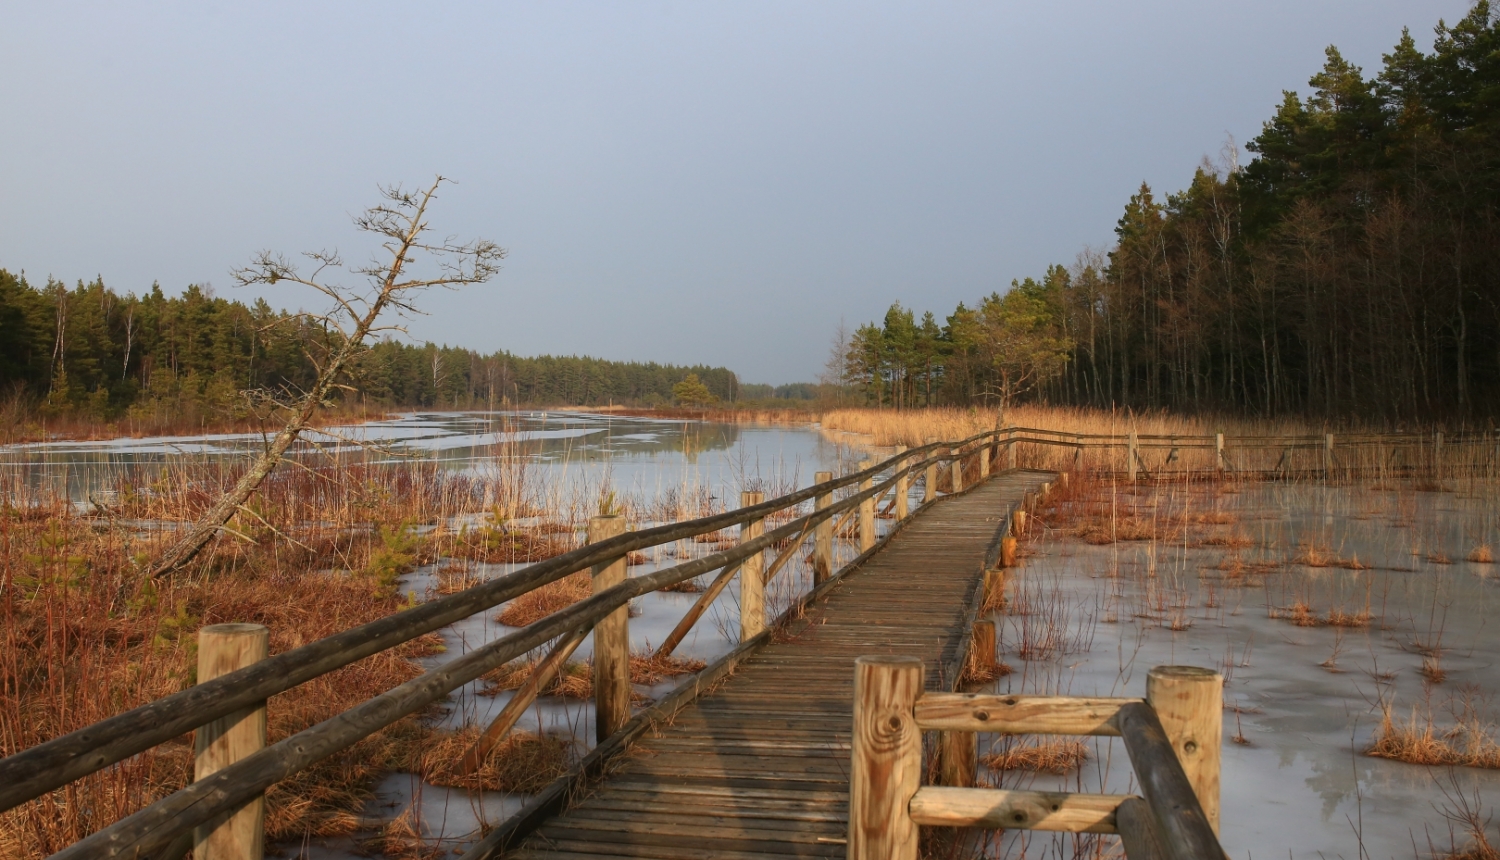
1351 267
89 352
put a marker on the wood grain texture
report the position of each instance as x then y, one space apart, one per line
885 767
1189 701
771 747
752 574
237 835
1001 809
611 638
1181 824
1017 715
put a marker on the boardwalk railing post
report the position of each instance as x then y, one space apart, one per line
1010 449
956 468
903 488
885 766
611 639
752 574
224 648
823 533
1132 456
1077 455
1219 452
1328 456
929 478
866 511
985 452
1189 701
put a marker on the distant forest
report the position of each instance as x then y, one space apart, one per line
1352 267
89 352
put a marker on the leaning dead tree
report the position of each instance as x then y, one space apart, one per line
401 222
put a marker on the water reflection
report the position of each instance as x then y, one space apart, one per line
634 453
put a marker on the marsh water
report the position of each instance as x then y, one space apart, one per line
1302 702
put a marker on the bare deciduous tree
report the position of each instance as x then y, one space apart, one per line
401 223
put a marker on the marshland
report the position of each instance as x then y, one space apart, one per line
1348 615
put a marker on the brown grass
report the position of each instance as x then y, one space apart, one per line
1040 755
1417 740
523 762
538 603
1482 555
1341 618
1316 556
576 680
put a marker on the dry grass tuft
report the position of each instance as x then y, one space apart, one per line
1470 743
1316 556
1104 531
538 603
1439 558
1482 555
523 762
1039 755
1340 618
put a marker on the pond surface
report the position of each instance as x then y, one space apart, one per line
1303 698
1092 619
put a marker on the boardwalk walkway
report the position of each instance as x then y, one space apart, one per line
759 767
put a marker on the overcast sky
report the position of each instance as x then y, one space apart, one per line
680 182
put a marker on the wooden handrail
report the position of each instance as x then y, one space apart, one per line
1171 821
153 827
52 764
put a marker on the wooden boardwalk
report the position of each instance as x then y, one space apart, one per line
759 767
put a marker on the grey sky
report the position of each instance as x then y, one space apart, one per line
679 182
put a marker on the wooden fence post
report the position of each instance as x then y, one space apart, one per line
956 469
903 488
239 835
1010 450
1131 456
752 574
1328 456
1189 701
823 533
1018 522
886 760
1008 551
985 451
1219 451
1077 455
611 638
929 480
866 510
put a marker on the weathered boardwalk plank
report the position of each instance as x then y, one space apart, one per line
759 767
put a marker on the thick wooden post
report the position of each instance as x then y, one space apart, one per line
1131 456
752 574
611 639
985 452
866 510
903 488
1077 454
1328 456
223 648
1010 450
958 758
1219 451
1437 457
1008 551
823 533
929 480
886 761
982 649
1018 523
956 469
1189 701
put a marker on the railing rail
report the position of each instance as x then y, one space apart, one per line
50 765
1172 737
34 772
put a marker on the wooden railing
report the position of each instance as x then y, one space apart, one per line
1173 738
235 770
236 773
